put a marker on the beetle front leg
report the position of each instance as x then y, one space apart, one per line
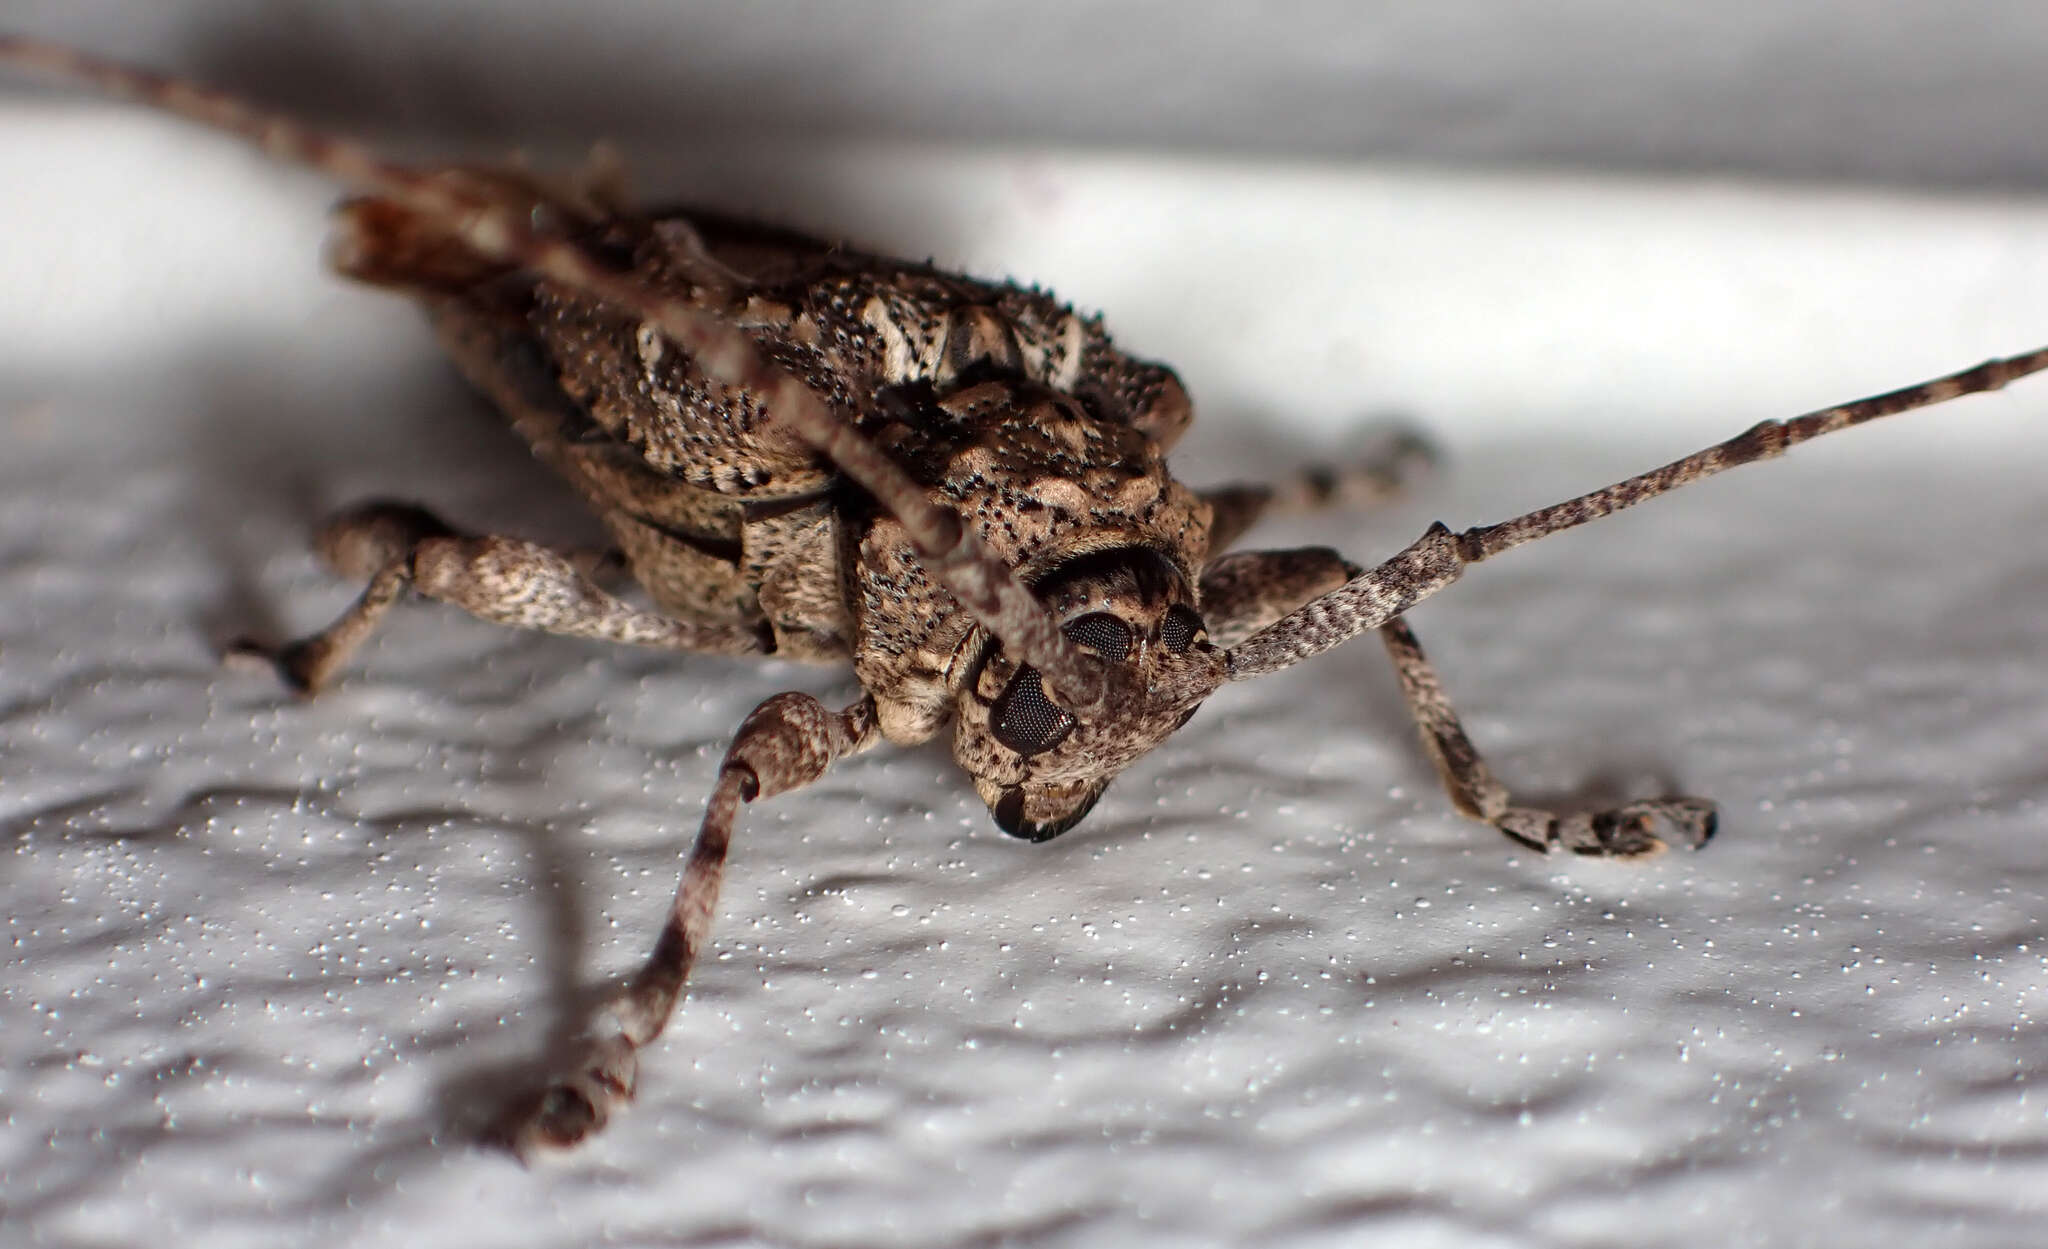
786 743
1244 592
1623 832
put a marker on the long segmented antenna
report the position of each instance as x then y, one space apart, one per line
1440 556
950 552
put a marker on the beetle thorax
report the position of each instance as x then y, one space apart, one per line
1079 503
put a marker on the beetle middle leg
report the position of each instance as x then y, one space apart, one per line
506 580
1389 463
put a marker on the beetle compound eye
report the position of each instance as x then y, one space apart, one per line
1104 633
1025 719
1180 628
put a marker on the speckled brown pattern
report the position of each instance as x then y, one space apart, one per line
956 486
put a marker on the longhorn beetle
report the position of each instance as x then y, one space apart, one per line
958 486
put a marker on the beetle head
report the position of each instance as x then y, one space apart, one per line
1041 767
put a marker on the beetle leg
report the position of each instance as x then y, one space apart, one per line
1623 832
1389 465
786 743
506 580
1245 591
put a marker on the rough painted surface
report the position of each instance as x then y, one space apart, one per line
268 962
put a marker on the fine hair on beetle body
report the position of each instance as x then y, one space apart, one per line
956 487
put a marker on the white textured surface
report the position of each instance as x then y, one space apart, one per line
269 962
